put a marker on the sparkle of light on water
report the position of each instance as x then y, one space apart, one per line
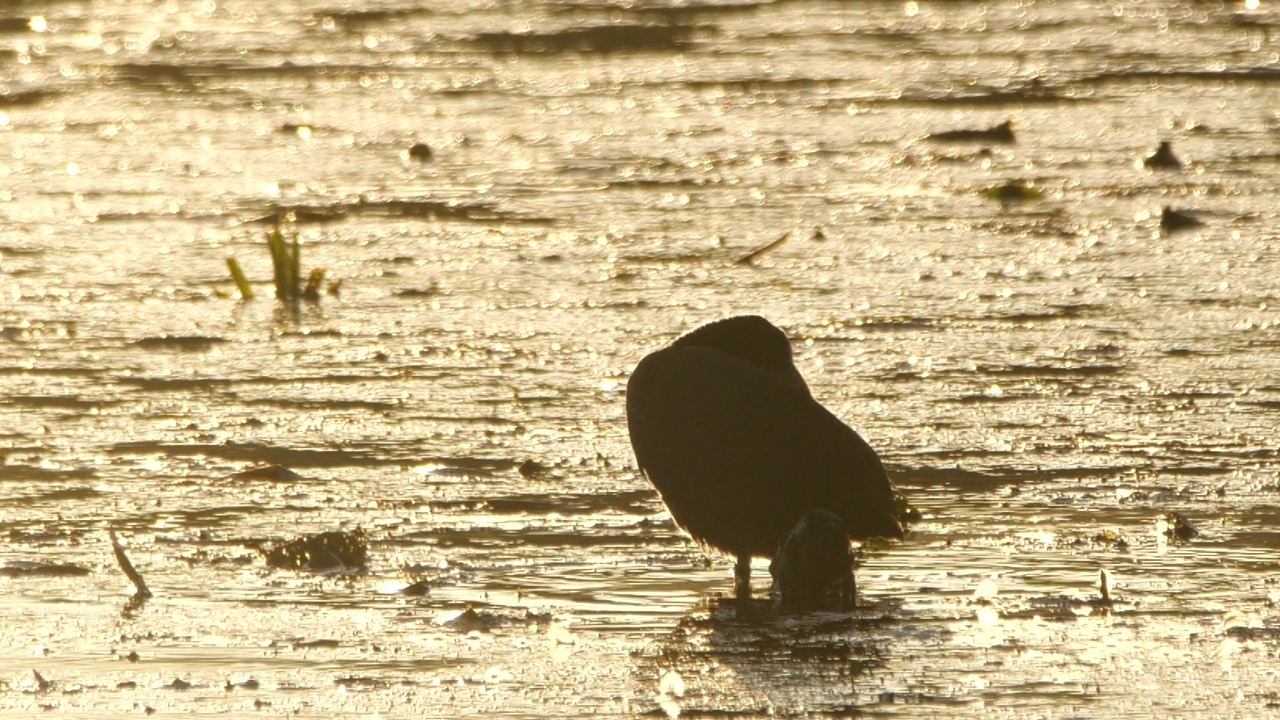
1047 381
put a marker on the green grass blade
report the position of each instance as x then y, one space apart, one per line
275 243
246 291
295 272
284 262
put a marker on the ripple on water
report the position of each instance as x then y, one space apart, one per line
1046 381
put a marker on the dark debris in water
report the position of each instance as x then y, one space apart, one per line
31 568
26 98
1163 158
325 643
420 152
417 208
1240 632
673 13
530 469
418 588
622 37
298 214
1176 526
14 471
1013 192
432 290
1052 223
299 129
1174 221
323 552
1032 93
181 343
1004 133
254 453
360 20
472 620
1261 75
273 473
354 683
43 534
189 76
1110 538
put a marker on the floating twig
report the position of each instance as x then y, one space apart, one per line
130 572
751 256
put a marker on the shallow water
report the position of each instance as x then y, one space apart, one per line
1044 380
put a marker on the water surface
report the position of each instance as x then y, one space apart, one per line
1045 380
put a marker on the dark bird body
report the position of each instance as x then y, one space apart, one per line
725 428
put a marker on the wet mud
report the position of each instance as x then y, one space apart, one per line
1077 398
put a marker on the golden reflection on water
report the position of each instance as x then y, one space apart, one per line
1047 381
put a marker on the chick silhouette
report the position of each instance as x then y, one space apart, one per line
724 426
813 568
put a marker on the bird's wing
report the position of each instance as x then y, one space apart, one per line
719 435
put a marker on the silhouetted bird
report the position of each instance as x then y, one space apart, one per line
1163 158
724 427
813 568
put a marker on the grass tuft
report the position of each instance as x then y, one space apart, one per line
286 266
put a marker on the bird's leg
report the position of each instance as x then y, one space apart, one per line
742 577
848 592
